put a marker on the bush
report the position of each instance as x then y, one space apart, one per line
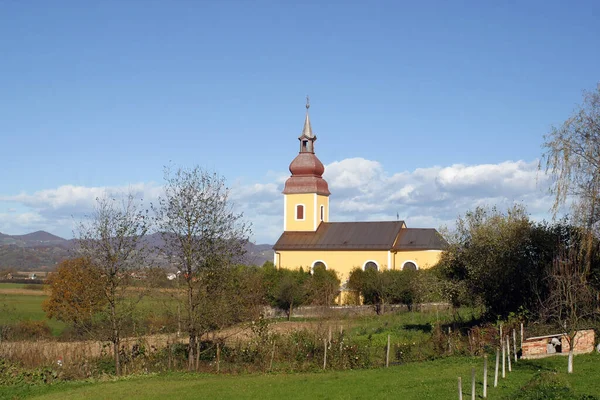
27 330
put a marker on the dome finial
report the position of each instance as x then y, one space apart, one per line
307 102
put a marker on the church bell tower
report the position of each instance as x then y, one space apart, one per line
306 194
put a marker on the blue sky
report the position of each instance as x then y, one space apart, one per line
407 99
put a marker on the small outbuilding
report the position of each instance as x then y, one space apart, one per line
548 345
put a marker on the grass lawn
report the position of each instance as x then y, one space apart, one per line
425 380
19 307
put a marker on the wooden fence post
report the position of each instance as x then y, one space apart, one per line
508 353
460 388
325 354
387 353
497 366
472 383
218 357
485 359
272 356
521 335
515 344
503 361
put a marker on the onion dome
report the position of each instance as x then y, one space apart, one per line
306 169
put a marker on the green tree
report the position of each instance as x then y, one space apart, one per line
497 259
290 290
323 286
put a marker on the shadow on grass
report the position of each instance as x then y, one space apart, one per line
425 328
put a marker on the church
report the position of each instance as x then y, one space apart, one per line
310 240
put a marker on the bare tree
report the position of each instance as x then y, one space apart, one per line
203 237
570 305
112 239
572 157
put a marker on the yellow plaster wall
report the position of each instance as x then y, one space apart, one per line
341 261
322 201
312 204
345 261
423 258
308 200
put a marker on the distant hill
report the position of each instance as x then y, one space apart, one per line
39 249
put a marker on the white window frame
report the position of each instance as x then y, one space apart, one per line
303 212
407 261
373 261
312 267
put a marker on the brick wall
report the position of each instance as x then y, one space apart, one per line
538 347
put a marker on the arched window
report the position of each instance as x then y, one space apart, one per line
371 265
409 266
318 265
300 212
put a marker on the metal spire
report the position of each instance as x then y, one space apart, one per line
307 130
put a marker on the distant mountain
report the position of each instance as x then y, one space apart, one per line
39 249
34 239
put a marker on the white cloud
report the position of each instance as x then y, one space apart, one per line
361 190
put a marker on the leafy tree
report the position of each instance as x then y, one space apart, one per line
375 287
204 237
290 290
572 157
76 293
497 258
112 240
322 286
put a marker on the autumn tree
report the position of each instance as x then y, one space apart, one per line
112 239
572 158
76 293
204 237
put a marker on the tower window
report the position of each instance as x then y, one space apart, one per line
300 212
322 213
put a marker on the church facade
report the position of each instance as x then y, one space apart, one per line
310 240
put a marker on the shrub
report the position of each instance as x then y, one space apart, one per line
27 330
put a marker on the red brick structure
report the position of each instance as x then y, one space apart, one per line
544 346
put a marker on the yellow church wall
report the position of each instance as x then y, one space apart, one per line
322 201
312 211
424 259
341 261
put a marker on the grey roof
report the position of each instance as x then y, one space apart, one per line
382 235
420 239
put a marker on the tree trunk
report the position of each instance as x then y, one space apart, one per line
191 325
570 365
115 329
290 310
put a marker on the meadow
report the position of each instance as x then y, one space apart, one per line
436 379
418 370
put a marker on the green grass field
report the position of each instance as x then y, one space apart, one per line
19 307
425 380
15 307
